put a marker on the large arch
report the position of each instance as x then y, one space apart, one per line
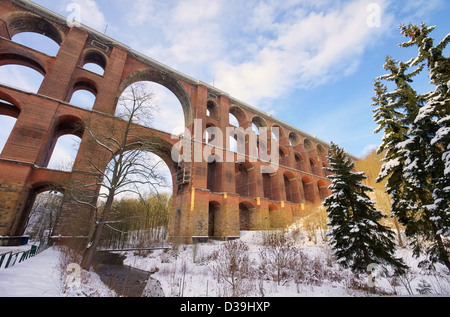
19 22
16 58
169 82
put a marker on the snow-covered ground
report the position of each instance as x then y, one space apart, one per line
186 271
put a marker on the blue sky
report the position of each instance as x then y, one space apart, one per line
308 63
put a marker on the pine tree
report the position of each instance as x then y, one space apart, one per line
422 186
436 110
356 235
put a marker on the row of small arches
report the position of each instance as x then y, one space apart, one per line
238 118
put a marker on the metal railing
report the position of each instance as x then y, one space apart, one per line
10 259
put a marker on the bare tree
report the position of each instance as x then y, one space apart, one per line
125 141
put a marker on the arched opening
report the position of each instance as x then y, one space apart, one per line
257 124
162 108
267 186
308 189
212 110
213 219
141 196
169 116
233 120
84 95
299 162
20 22
312 166
321 150
323 189
43 214
8 118
291 188
283 158
287 188
22 77
294 140
37 42
6 126
245 180
62 149
214 175
246 211
308 145
95 62
64 153
238 118
276 133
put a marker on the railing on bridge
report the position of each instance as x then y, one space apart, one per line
11 258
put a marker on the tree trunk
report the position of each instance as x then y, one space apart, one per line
95 241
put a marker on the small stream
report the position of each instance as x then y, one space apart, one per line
125 280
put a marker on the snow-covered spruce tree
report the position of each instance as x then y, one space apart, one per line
437 111
420 190
391 121
356 235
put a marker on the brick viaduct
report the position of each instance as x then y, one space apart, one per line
216 200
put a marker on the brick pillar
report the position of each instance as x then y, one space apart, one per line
14 195
107 91
57 81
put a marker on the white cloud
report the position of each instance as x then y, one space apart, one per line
142 11
307 51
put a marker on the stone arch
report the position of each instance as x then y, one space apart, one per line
21 220
9 106
291 188
64 125
299 162
308 189
23 59
83 85
166 80
212 109
240 115
313 166
283 156
19 22
321 150
294 140
308 145
96 57
280 133
323 189
258 123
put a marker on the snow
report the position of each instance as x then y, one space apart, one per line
186 271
